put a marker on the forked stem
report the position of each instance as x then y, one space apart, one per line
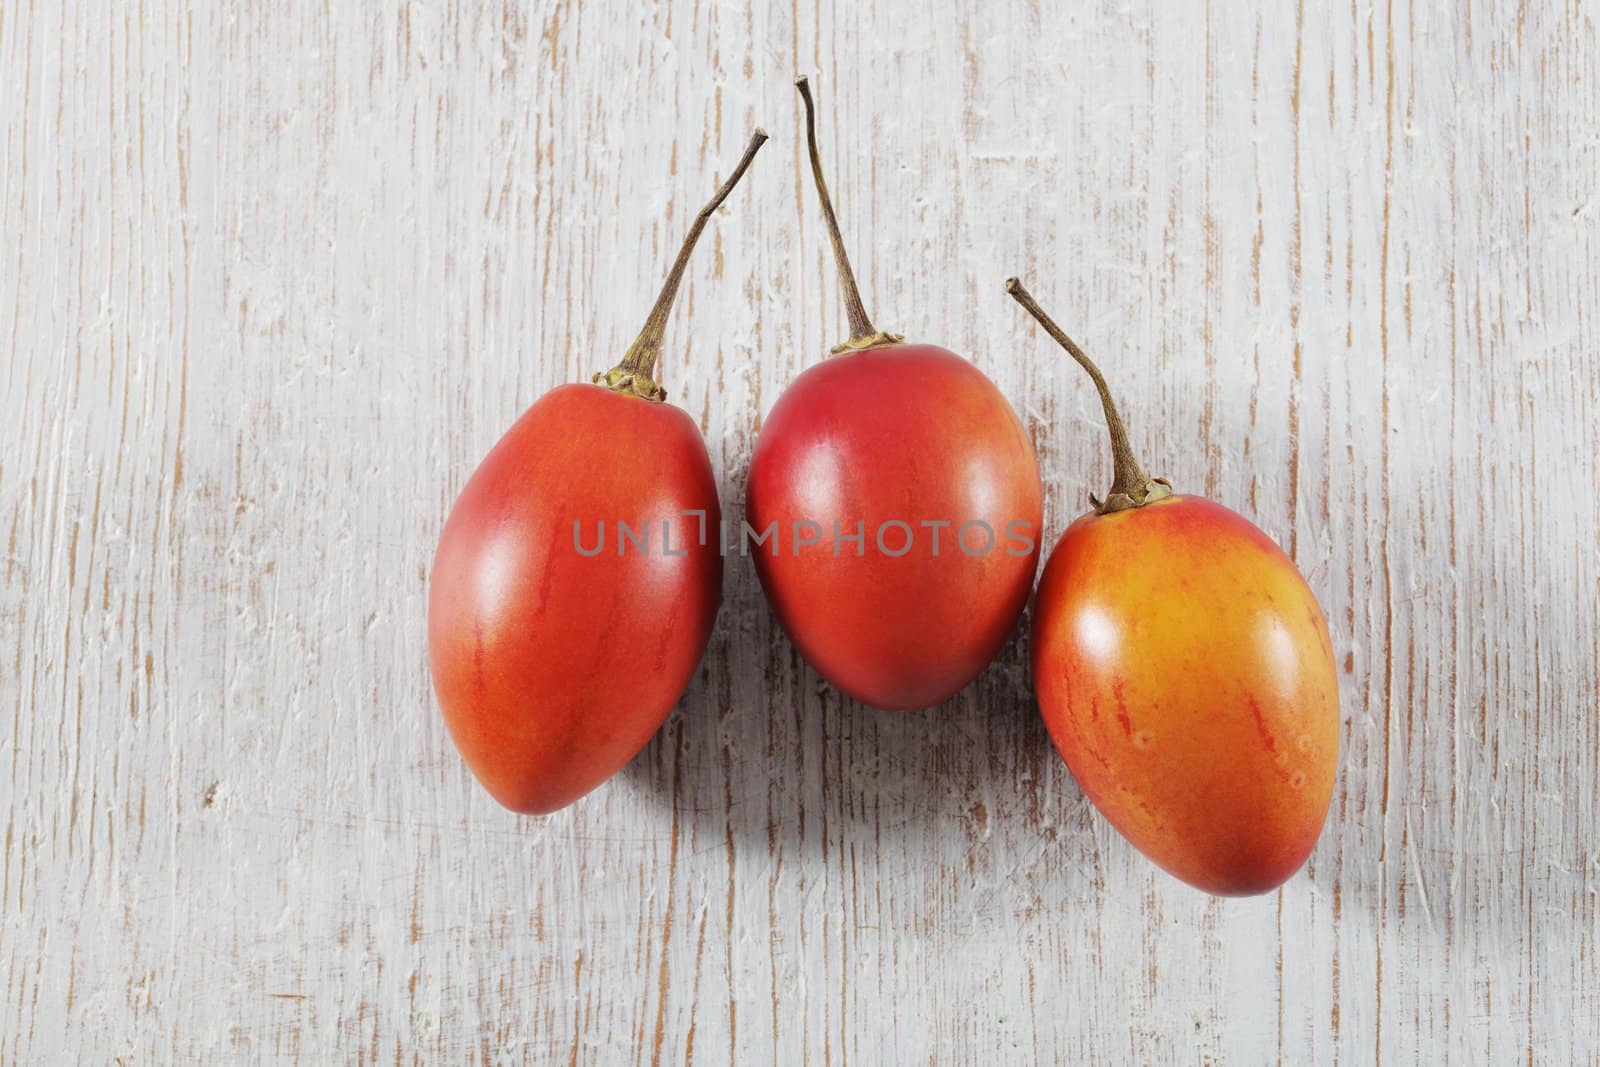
635 374
862 334
1130 486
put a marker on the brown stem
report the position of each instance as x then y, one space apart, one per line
862 334
1130 486
633 374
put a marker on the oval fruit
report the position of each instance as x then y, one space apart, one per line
554 667
578 576
911 449
898 433
1185 673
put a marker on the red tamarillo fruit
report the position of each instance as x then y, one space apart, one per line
912 449
1185 673
554 664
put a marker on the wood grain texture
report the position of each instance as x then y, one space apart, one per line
273 277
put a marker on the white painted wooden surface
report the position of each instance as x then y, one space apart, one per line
274 276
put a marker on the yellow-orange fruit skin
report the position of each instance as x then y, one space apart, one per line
1185 673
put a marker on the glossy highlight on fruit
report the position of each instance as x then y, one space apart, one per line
886 432
1185 672
556 653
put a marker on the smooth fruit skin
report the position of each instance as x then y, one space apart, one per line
552 668
907 432
1185 673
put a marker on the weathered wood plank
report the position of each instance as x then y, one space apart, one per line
274 277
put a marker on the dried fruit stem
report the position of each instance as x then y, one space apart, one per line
634 373
1130 486
862 334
